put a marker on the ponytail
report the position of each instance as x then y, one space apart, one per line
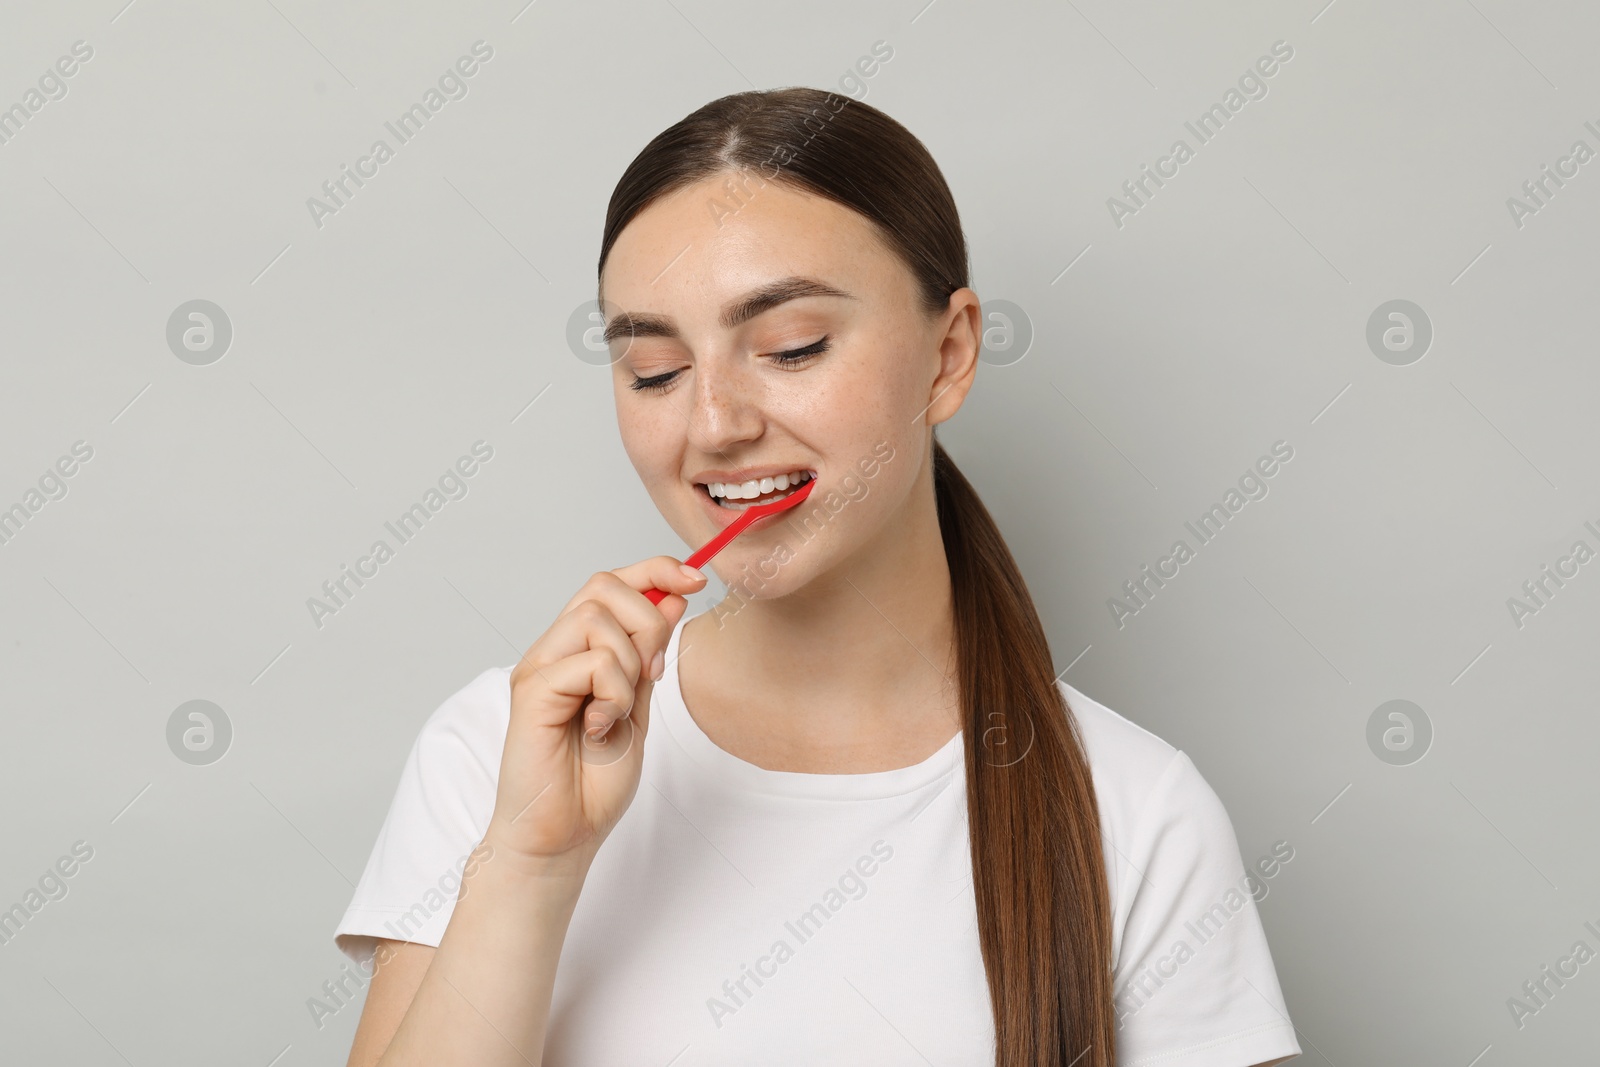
1044 912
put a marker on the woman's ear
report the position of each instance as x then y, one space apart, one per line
960 342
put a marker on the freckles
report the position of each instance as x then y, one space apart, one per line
648 438
889 374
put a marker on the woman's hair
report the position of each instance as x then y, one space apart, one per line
1044 913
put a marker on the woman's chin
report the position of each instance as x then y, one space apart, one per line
762 574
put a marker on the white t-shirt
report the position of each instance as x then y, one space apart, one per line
738 915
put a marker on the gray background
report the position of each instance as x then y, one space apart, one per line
1166 356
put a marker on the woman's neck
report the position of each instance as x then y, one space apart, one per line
850 674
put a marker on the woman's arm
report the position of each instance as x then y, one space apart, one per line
398 967
566 777
483 996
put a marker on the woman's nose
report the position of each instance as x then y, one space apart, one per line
725 407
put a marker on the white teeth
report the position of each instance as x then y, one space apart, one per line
728 492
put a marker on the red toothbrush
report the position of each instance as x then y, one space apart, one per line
738 526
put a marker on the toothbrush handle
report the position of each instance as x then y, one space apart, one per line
703 554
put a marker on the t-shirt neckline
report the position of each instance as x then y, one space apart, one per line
670 710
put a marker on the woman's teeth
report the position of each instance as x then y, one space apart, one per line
739 496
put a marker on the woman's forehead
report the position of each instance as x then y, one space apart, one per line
675 251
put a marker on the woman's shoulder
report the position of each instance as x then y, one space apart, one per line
1155 805
1147 789
1126 758
1182 898
471 722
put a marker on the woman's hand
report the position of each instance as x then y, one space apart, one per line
580 708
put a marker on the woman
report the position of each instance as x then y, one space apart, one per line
846 815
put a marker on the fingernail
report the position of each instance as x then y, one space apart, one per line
658 665
690 573
594 721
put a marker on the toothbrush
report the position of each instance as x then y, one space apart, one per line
758 511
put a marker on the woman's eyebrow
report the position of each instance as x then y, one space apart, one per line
736 311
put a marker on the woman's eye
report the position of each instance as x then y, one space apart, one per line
797 355
653 385
791 357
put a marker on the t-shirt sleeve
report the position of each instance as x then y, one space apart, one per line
1194 981
436 821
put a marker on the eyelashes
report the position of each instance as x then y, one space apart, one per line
794 357
800 355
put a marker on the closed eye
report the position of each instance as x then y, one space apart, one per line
793 357
797 355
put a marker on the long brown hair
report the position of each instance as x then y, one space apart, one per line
1044 913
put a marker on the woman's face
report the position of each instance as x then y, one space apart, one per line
701 280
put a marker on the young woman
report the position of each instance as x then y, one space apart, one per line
846 815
